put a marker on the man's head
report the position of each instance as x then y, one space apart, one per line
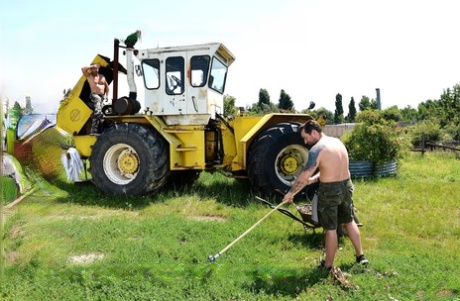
311 132
95 68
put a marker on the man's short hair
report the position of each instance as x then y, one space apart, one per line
311 125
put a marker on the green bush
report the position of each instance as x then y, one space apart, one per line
450 134
374 139
429 128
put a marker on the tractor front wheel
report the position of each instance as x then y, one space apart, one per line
129 159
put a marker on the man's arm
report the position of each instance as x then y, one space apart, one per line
305 178
87 70
106 89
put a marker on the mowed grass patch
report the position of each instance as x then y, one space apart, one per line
84 245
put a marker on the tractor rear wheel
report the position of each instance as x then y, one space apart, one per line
129 159
276 158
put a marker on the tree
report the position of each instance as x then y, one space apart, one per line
285 102
444 111
392 113
327 115
264 97
449 106
230 110
15 114
408 114
364 104
351 110
422 111
367 104
338 114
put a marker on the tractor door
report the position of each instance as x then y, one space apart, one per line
173 83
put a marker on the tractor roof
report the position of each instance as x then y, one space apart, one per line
210 48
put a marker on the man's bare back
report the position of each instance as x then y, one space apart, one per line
332 160
327 154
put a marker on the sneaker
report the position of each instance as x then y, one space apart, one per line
361 259
323 266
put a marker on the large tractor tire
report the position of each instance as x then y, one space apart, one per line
129 159
276 158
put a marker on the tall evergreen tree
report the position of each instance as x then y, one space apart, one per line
351 110
264 97
285 102
338 114
15 114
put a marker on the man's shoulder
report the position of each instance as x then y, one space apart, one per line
332 140
327 143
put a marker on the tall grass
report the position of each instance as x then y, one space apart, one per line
83 245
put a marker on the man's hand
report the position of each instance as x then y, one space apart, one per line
288 198
313 179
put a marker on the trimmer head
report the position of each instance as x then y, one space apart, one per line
213 258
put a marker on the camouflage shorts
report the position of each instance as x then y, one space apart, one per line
97 100
335 204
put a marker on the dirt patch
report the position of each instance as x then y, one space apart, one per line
86 258
17 231
208 218
12 257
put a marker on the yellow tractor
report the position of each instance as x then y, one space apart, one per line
174 127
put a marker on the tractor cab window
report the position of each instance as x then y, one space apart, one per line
199 66
175 75
151 70
218 76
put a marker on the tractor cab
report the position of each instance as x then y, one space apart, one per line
185 85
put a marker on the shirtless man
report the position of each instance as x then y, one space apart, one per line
335 205
99 91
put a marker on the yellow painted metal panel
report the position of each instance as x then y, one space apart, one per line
229 144
186 144
83 144
73 115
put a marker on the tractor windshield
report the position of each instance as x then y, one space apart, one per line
218 76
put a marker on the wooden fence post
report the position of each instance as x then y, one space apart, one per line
423 143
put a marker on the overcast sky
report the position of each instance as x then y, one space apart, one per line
311 49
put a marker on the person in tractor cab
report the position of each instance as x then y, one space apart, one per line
99 91
335 204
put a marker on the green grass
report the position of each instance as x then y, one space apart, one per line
156 248
9 189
